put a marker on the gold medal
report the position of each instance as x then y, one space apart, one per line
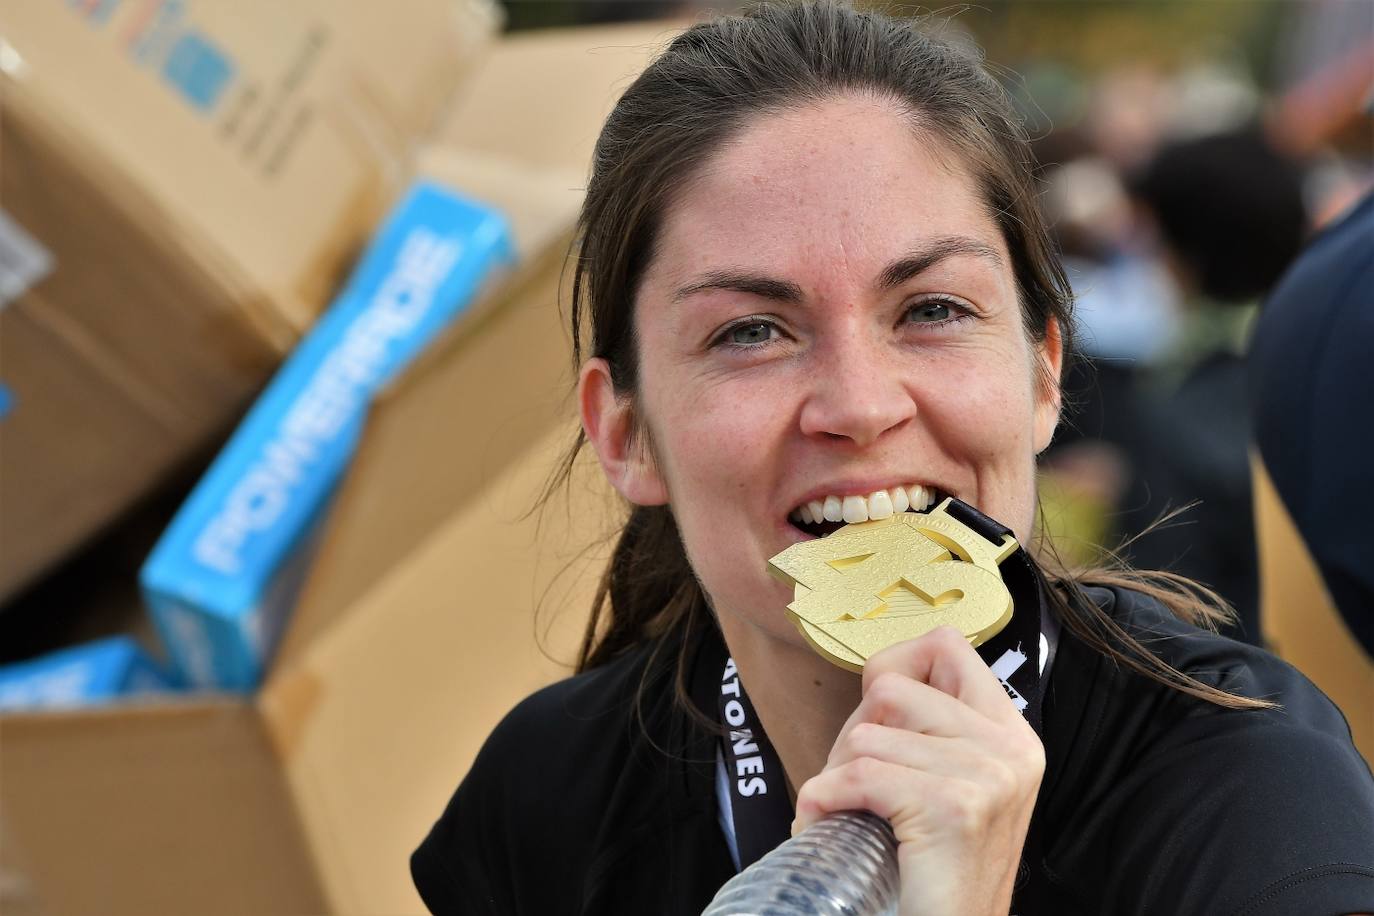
871 585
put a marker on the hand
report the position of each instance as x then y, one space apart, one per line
938 749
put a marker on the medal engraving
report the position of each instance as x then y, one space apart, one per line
873 584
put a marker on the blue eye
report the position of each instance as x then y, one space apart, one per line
932 311
750 334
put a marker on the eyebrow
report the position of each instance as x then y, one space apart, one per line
922 259
741 281
894 274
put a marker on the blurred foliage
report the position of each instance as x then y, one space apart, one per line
547 14
1083 35
1092 36
1071 523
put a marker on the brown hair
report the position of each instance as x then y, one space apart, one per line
703 89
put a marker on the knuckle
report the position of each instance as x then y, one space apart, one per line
886 692
861 771
1028 751
807 796
1004 779
863 739
963 809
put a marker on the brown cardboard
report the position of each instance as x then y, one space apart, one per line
191 248
368 720
157 809
557 129
1300 620
436 602
371 709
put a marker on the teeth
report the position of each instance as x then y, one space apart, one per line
879 504
916 495
899 501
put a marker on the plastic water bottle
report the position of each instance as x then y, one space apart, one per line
845 864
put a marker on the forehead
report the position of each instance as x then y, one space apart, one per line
848 178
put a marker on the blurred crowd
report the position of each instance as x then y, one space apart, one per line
1181 197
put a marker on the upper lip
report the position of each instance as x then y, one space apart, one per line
859 487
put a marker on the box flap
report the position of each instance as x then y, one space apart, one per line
250 122
564 83
140 809
495 384
436 600
379 717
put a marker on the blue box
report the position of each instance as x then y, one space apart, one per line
222 579
199 69
85 675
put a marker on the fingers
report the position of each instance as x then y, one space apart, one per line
899 775
964 760
944 659
898 701
863 784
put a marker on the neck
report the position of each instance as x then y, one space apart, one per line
802 700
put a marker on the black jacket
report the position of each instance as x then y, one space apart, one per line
1152 802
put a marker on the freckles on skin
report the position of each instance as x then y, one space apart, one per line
823 200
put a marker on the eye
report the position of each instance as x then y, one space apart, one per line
751 332
929 311
935 311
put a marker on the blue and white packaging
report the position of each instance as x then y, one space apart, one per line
87 675
221 581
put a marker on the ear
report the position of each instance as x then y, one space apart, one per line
608 421
1048 394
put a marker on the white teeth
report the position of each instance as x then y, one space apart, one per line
919 496
855 509
899 501
879 505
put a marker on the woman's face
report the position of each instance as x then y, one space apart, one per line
830 312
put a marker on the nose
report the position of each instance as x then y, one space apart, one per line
855 392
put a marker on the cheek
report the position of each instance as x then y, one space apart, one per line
713 440
984 414
984 423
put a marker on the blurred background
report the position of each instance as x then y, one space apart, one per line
282 373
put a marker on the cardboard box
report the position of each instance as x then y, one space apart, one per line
1301 622
435 603
224 576
195 175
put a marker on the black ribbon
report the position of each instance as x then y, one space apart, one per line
759 806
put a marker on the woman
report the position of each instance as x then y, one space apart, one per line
815 281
